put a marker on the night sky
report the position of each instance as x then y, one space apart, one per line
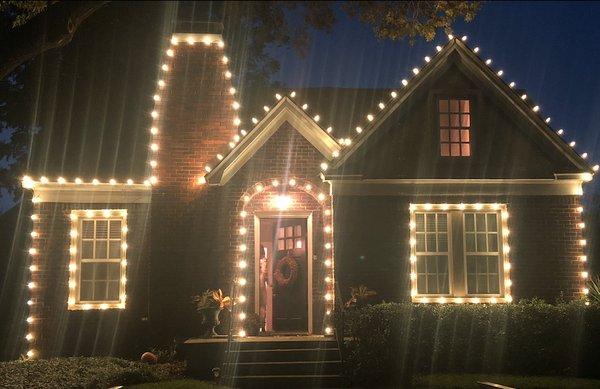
550 49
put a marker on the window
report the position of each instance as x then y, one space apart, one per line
455 127
432 253
289 237
459 253
98 259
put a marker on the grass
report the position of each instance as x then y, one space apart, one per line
179 384
467 381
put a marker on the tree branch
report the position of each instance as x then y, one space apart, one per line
48 30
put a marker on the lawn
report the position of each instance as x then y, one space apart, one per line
467 381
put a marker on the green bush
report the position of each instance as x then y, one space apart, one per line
390 342
80 372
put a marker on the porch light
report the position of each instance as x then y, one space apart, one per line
282 202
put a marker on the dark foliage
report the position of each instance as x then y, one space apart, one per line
389 343
83 373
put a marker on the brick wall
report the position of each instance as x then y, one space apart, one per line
59 331
371 235
197 123
206 234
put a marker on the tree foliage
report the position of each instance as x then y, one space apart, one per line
29 28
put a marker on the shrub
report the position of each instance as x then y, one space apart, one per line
80 372
390 342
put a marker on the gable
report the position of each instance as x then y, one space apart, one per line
510 140
286 111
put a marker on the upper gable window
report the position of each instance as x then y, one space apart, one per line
455 127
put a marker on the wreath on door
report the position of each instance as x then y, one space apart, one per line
286 271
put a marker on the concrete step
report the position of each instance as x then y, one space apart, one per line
288 381
310 368
282 344
288 354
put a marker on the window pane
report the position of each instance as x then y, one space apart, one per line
470 243
281 244
430 222
443 105
465 149
454 136
87 249
87 271
114 271
455 149
101 248
289 231
442 242
480 221
100 290
298 230
464 106
431 243
115 229
464 136
420 221
86 290
442 222
444 120
481 243
101 229
465 120
445 149
469 222
101 271
280 232
421 242
482 274
492 242
114 249
492 224
454 106
87 229
454 120
444 135
113 291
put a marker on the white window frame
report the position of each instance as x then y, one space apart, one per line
77 217
458 284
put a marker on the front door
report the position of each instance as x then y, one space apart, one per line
284 274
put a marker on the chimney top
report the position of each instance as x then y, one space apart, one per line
192 27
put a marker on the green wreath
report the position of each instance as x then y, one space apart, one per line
286 265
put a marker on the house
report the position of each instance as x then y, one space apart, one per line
450 188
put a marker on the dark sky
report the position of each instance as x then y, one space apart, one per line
550 49
102 81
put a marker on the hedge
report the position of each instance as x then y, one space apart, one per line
390 342
80 372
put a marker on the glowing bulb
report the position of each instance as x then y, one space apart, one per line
370 117
31 285
404 82
282 202
328 296
225 60
161 84
242 299
235 105
292 94
476 50
170 52
438 48
327 262
393 94
232 91
359 130
29 337
328 330
78 181
548 119
242 264
228 74
242 333
33 251
243 214
242 281
33 268
536 108
317 118
327 229
44 180
321 196
583 258
584 274
277 96
29 320
413 258
61 180
507 266
488 61
292 182
305 106
324 166
415 71
242 316
512 84
427 59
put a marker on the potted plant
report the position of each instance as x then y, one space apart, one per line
210 304
359 296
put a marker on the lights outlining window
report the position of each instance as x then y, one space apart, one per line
459 253
98 259
454 120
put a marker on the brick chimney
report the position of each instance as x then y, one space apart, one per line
195 121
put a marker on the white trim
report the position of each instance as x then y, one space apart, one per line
309 254
90 193
440 187
77 216
285 111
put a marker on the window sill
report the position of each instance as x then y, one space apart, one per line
431 299
96 306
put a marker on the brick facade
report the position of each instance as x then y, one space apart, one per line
372 243
59 331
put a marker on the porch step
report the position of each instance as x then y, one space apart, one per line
293 354
278 363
